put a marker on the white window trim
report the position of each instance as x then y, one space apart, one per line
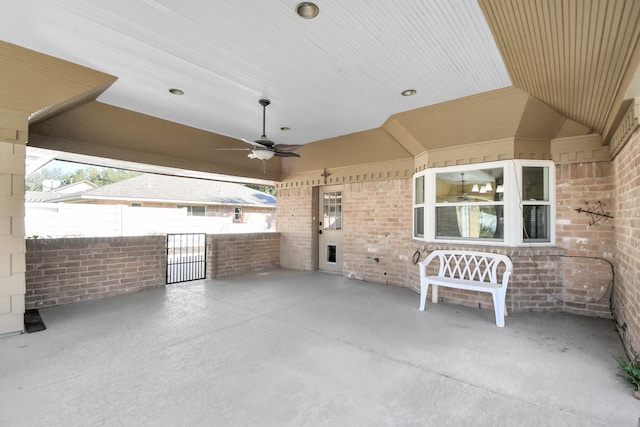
513 203
415 206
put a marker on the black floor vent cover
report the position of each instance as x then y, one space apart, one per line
33 322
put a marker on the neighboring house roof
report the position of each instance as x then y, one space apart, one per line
179 190
76 187
43 196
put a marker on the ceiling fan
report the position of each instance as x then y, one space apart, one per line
263 148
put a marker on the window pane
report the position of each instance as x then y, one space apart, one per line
535 183
536 223
197 210
419 190
332 210
418 222
470 222
469 186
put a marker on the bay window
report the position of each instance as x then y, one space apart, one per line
507 203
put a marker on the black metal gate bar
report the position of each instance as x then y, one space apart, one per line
186 257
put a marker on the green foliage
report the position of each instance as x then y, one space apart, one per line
263 188
96 175
630 371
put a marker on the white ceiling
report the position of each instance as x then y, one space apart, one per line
339 73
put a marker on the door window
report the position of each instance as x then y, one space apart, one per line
332 210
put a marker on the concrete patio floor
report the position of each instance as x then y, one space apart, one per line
291 348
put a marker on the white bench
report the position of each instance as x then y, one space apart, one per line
468 270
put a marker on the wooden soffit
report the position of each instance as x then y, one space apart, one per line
491 116
359 148
577 56
102 130
41 86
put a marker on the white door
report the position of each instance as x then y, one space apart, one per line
330 229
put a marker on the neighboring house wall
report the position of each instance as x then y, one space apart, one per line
89 220
62 271
626 297
251 214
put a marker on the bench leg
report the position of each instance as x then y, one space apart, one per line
499 306
424 288
434 294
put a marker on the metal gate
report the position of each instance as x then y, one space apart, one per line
186 257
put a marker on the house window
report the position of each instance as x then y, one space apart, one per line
504 203
136 205
535 204
237 215
193 210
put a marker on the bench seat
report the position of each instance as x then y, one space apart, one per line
471 271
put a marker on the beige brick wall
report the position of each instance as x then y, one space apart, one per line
626 298
229 254
61 271
377 243
587 268
294 216
535 285
13 131
574 276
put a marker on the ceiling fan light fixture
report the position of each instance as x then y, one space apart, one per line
307 10
263 154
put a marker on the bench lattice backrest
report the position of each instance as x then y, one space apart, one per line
470 265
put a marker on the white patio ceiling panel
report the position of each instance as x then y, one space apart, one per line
336 74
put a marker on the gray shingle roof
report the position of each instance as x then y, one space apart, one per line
180 190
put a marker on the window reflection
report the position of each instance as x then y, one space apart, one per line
536 219
535 183
482 185
470 222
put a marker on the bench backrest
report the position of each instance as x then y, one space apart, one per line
470 265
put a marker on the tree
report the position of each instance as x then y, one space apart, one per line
263 188
97 175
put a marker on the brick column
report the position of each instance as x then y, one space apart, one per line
13 137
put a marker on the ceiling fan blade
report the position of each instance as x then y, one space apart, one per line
286 147
255 144
286 154
231 149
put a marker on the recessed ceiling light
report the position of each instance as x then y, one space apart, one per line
175 91
408 92
307 10
285 128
